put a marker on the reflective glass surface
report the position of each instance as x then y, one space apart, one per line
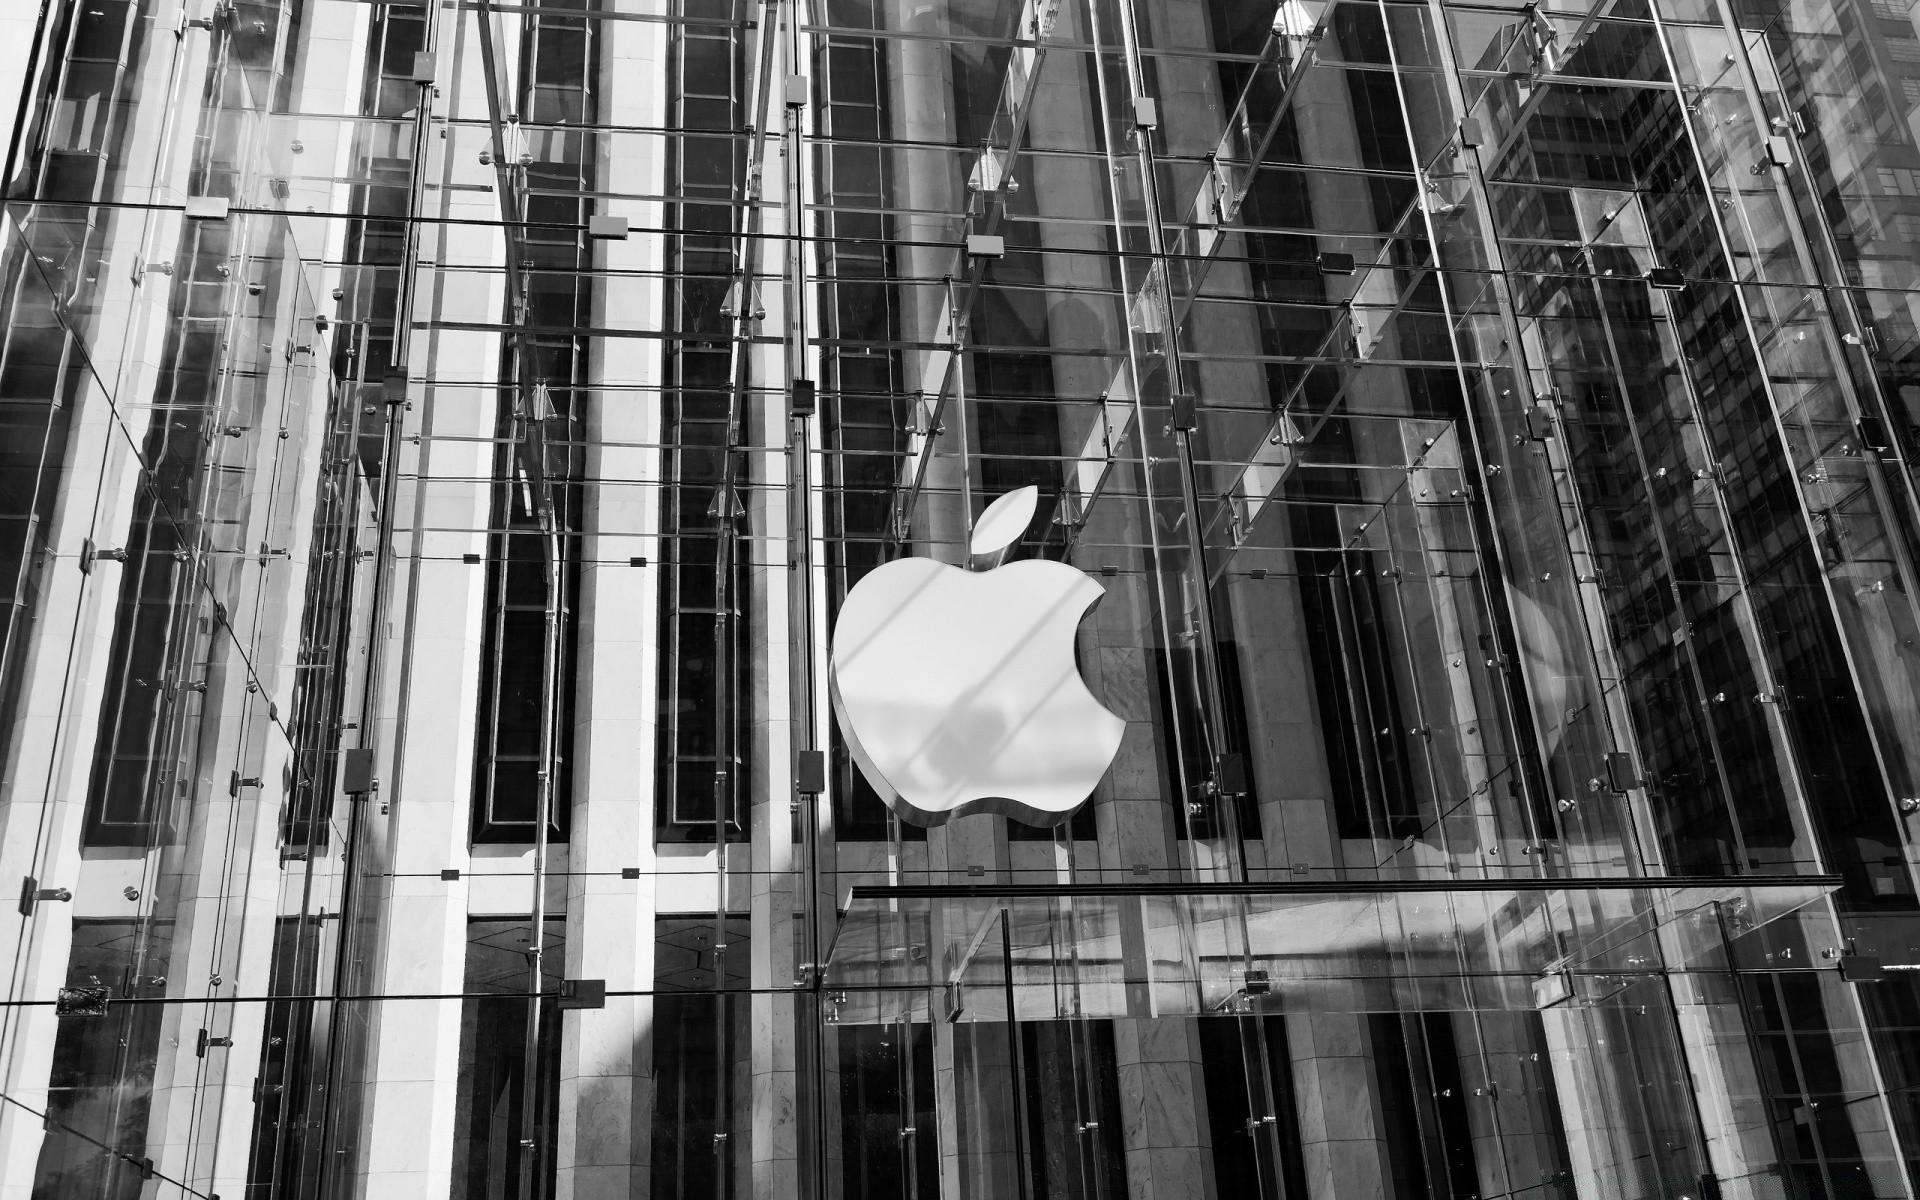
438 444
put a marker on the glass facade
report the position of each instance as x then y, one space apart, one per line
438 440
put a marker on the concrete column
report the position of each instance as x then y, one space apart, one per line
605 1124
329 74
437 620
1341 1143
1602 1109
1163 1130
1341 1136
1512 1109
971 1063
222 882
1132 809
922 108
776 890
973 1078
1725 1077
44 787
1163 1108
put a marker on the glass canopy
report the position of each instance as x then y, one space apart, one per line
1153 950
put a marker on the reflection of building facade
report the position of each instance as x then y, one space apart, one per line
439 439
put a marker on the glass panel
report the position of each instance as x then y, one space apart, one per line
440 447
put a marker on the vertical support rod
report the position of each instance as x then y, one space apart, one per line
531 1076
746 319
956 328
812 811
1015 1068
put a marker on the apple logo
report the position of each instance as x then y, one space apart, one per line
957 689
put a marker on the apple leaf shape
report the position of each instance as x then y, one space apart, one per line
1000 527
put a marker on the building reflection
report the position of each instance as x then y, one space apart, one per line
438 441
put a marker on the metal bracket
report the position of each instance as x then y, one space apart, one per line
1230 774
356 772
1872 433
31 894
1862 968
208 208
1621 777
986 245
811 772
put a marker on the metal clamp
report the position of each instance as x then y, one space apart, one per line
31 894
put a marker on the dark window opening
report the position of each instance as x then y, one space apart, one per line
863 404
700 1021
1247 1064
99 1093
540 427
889 1131
705 721
1074 1145
489 1107
292 1080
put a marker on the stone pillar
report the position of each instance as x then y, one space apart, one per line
222 881
922 109
329 73
1341 1139
775 890
973 1077
1512 1108
1726 1081
605 1126
427 733
971 1063
1603 1114
43 791
1341 1143
45 787
1163 1128
1163 1108
1341 1136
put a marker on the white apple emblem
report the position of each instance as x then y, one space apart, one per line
957 689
